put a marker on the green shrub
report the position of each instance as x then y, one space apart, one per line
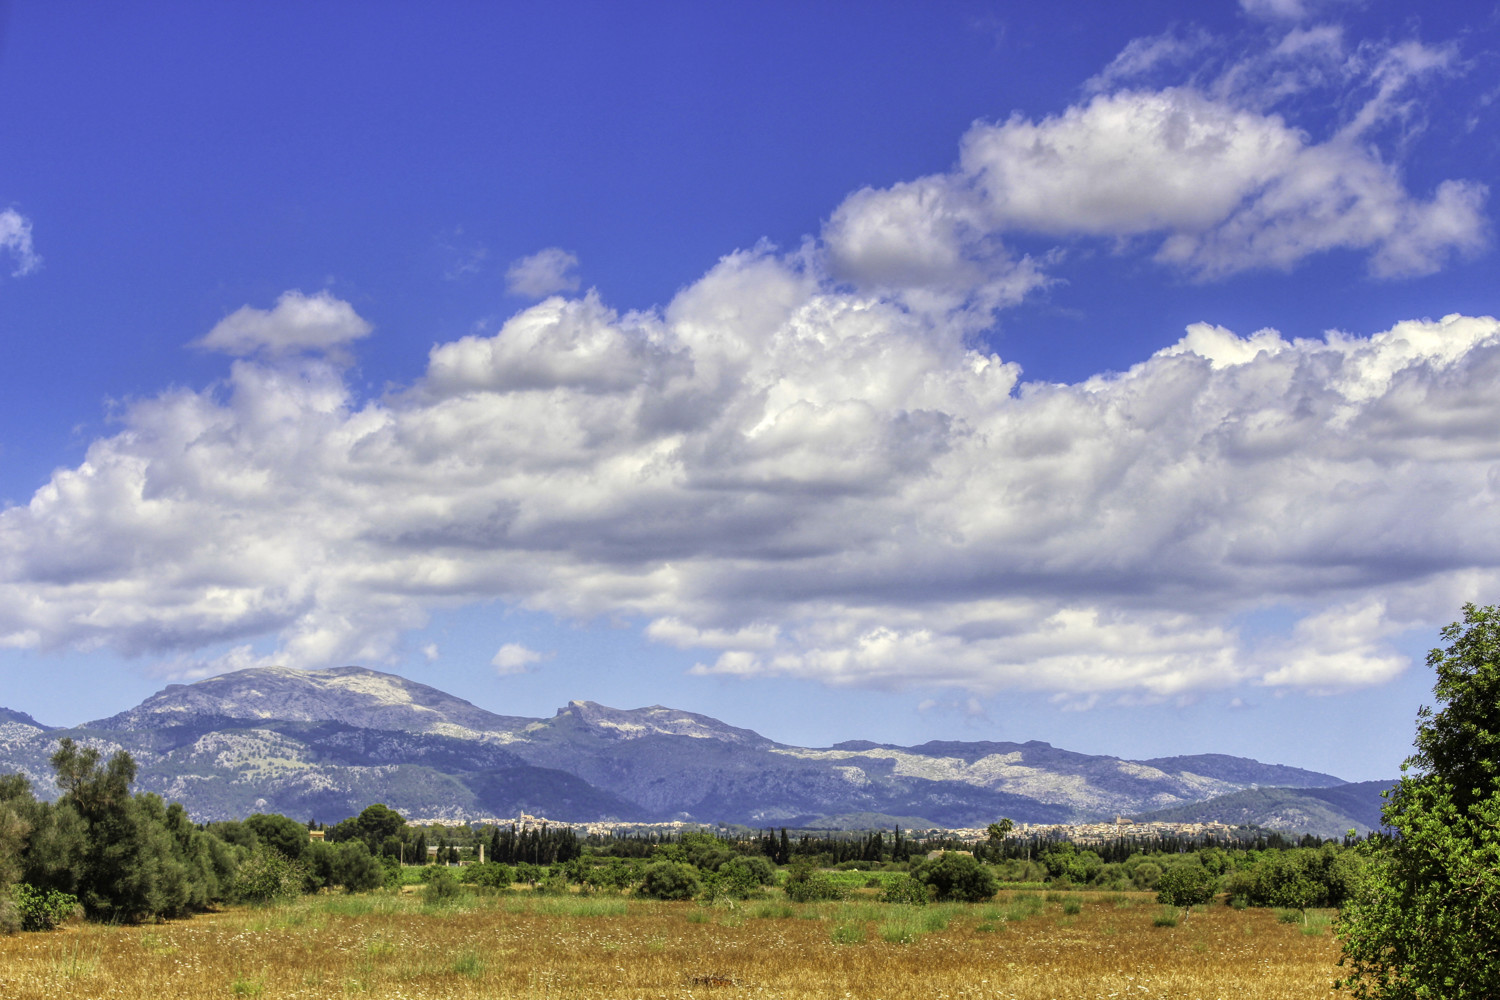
905 889
1185 884
759 869
1166 918
955 877
267 876
670 880
442 888
807 885
40 910
737 878
554 883
1072 907
490 874
1146 875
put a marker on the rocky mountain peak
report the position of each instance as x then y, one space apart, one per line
656 720
352 695
12 717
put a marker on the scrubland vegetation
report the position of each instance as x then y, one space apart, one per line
515 943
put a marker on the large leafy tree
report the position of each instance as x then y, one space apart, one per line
1426 924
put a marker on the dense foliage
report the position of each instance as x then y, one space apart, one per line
1186 883
670 880
956 877
124 857
1425 922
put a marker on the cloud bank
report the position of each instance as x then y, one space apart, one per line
801 481
807 465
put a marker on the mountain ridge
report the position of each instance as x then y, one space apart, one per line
1325 812
326 743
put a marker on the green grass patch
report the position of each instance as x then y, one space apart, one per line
468 964
859 880
567 906
242 986
347 906
1316 924
849 934
1022 906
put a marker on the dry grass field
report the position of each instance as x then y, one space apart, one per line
1022 946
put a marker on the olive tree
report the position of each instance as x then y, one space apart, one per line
1425 923
1186 883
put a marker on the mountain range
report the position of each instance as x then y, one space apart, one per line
324 744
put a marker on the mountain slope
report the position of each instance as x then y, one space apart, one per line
324 744
1243 770
1325 812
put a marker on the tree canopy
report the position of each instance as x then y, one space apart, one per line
1426 922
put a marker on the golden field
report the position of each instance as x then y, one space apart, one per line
504 945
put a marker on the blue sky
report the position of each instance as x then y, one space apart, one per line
1118 376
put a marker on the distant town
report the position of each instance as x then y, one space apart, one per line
1078 833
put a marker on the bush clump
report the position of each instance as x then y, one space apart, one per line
1186 883
41 910
490 874
905 889
670 880
805 884
442 888
268 876
955 877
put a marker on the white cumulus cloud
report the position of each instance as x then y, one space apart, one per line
295 324
513 658
799 480
1208 174
544 273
